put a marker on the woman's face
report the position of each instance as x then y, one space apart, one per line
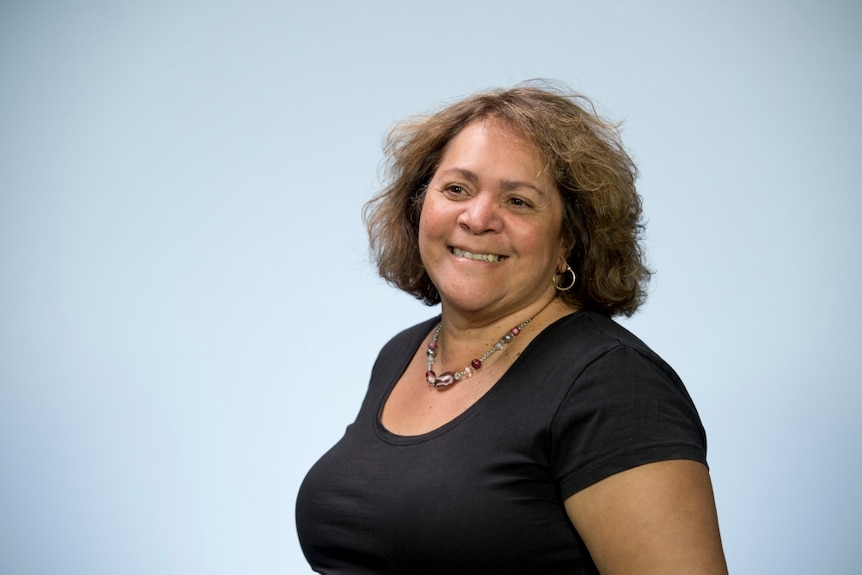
491 223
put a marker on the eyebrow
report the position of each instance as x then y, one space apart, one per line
507 185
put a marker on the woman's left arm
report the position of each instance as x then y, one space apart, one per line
657 518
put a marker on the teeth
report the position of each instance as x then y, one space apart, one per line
479 257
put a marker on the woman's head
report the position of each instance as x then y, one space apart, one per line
582 155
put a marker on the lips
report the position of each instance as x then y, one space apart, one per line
478 257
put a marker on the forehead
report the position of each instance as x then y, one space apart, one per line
495 145
496 136
502 130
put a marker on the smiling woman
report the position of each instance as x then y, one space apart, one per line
490 196
581 154
552 440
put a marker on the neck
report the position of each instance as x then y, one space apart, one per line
445 368
465 336
464 326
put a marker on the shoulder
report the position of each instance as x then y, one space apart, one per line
393 359
588 339
603 354
594 330
397 352
407 340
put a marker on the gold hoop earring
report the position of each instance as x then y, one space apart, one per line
558 276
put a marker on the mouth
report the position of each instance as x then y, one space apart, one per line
478 257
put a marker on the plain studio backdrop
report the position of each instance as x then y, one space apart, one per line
188 315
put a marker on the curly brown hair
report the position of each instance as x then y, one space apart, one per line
584 157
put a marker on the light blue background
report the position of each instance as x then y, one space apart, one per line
187 312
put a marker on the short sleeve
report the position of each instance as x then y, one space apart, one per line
625 409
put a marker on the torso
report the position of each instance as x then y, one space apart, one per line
483 491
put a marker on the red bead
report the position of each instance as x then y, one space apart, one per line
476 364
516 330
432 345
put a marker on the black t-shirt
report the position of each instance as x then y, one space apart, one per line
484 493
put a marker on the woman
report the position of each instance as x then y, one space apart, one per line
522 430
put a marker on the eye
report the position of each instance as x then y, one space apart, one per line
455 190
519 202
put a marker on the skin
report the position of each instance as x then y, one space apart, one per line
490 196
654 519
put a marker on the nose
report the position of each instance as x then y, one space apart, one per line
480 215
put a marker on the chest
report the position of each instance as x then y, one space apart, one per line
479 498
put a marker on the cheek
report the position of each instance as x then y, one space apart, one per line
423 227
424 234
430 221
552 246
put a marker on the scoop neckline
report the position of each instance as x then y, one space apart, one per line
397 439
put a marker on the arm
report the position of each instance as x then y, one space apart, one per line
657 518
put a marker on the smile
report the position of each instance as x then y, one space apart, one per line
478 257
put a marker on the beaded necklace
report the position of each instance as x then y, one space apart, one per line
447 378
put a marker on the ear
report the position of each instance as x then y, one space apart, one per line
565 250
561 264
